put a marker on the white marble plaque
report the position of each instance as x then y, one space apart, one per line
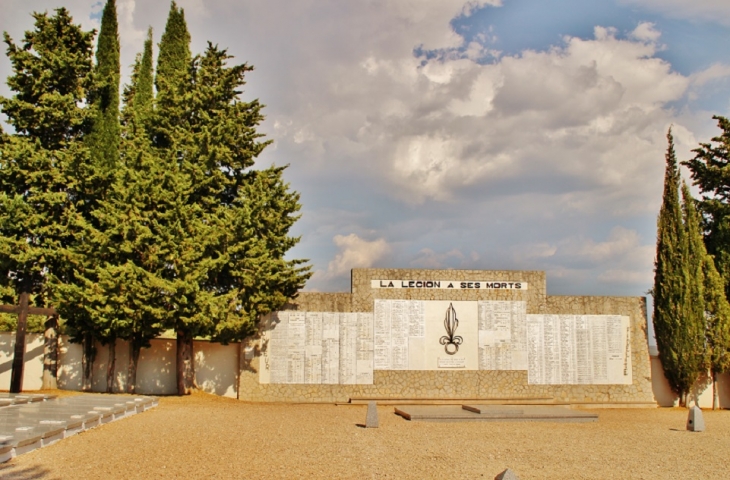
348 348
364 348
381 348
313 348
278 347
578 349
452 362
330 348
399 328
502 335
296 347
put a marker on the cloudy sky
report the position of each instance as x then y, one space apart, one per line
489 134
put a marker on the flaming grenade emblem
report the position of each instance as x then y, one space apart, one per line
450 341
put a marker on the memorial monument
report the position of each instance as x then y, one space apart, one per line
446 335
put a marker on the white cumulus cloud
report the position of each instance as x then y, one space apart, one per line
355 252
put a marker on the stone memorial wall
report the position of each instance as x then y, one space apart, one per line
451 334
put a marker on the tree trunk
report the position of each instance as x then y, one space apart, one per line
185 367
16 379
87 361
50 354
111 366
715 393
132 366
238 370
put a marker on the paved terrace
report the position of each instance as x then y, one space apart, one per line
32 421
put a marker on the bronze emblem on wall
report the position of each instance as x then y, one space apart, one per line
450 341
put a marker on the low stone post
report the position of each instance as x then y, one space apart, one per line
371 421
695 421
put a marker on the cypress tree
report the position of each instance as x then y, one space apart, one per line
692 350
228 230
122 289
79 295
141 191
670 278
257 275
187 237
103 139
51 76
172 79
138 97
718 325
710 171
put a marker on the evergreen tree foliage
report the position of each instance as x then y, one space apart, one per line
138 97
50 80
691 338
691 313
81 296
229 224
103 139
166 226
172 78
670 279
257 276
718 325
711 173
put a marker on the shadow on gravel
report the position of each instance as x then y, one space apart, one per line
10 472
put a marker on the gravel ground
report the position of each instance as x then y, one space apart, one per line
203 436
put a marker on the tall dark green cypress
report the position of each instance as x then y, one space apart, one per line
187 236
145 81
103 139
94 179
228 231
172 79
691 339
670 279
718 325
710 170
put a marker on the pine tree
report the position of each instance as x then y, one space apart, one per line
50 80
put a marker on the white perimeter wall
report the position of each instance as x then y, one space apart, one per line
215 366
701 393
215 369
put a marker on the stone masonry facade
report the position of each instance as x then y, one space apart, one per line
461 385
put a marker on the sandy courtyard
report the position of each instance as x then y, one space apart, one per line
203 436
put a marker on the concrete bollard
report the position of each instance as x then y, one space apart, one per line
695 421
371 421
